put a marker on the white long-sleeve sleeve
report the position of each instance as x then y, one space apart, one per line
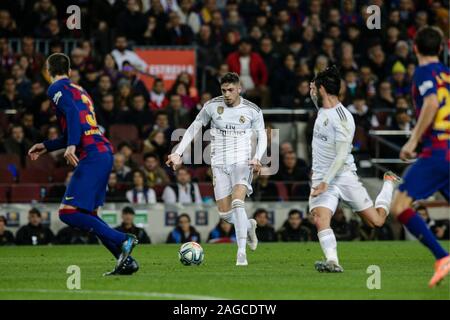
201 120
341 156
261 145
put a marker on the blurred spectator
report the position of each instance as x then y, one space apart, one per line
153 172
6 236
126 150
264 189
57 155
35 59
183 232
104 87
162 123
265 232
344 231
131 21
10 97
180 34
292 168
284 82
113 193
292 229
383 233
129 72
158 99
362 114
30 131
69 235
399 82
183 191
222 233
188 16
106 114
302 98
182 90
128 226
157 143
139 115
122 54
140 193
34 233
252 71
122 170
178 112
385 98
440 228
17 143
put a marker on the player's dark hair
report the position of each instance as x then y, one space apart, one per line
58 64
329 79
128 210
428 41
230 77
35 211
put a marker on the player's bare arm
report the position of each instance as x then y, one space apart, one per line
427 115
36 151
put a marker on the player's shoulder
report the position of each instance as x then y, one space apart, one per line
214 101
340 114
249 104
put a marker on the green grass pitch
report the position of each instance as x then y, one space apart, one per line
275 271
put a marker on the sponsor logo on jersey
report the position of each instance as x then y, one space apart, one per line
57 96
220 109
425 86
242 119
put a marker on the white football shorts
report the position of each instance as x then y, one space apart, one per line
348 188
226 177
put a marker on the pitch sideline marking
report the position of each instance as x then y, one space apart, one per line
120 293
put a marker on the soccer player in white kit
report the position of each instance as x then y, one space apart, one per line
334 174
234 120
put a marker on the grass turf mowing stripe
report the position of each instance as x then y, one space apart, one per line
166 295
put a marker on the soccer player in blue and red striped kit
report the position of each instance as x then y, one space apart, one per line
430 173
92 156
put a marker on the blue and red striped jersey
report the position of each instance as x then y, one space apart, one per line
76 117
434 78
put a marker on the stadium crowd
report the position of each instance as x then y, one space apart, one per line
275 46
296 228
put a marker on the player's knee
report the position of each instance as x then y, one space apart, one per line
320 218
400 203
237 203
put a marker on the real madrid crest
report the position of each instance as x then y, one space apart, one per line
242 119
220 110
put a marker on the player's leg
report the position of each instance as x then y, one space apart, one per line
222 193
241 224
421 180
322 209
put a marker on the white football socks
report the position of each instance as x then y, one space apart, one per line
384 198
227 216
328 243
241 224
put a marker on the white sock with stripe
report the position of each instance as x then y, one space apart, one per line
329 245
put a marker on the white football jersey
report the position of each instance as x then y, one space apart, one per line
232 130
332 124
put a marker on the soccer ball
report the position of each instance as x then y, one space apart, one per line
191 253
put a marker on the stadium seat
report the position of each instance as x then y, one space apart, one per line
6 176
7 159
138 159
25 193
45 162
124 132
60 174
4 190
33 175
206 189
282 191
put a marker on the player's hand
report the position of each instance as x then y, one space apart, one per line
174 161
408 151
70 156
256 165
36 151
320 188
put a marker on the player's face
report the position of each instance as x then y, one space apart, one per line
230 92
